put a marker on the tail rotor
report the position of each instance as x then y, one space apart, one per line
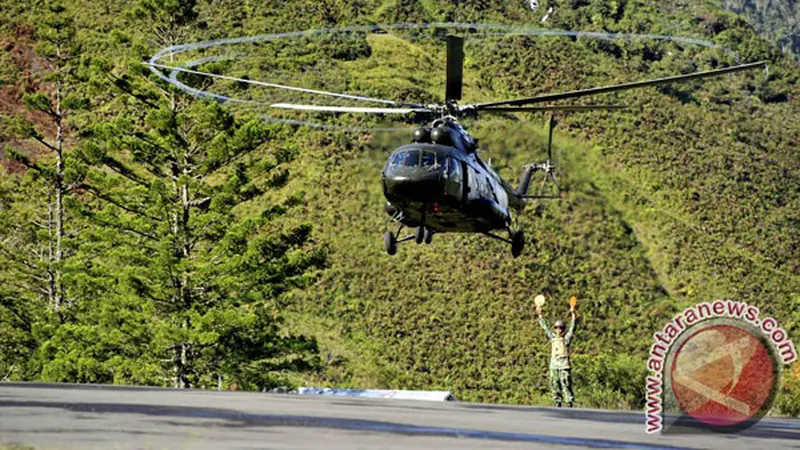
548 167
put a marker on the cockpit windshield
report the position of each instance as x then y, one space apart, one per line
428 159
411 159
397 159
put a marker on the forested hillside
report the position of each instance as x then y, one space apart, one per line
150 237
777 20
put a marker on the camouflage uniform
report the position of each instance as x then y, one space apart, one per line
560 372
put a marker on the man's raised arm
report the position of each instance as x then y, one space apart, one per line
573 319
543 323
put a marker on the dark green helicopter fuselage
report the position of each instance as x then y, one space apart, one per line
447 188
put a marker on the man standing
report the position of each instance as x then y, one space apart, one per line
560 371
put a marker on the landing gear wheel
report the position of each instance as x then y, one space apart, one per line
390 243
517 243
428 235
419 234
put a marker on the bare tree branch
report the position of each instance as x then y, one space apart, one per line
45 143
124 228
117 167
94 191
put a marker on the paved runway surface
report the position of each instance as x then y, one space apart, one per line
83 417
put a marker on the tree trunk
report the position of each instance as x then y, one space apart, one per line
59 254
51 278
186 232
182 232
181 381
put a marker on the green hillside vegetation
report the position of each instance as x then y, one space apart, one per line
689 195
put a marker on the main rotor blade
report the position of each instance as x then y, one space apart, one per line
619 87
578 108
281 86
455 67
350 109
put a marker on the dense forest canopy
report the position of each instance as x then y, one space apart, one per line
148 236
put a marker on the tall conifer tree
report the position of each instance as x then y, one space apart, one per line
58 47
37 224
172 173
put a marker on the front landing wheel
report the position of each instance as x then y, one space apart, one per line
428 235
517 243
390 243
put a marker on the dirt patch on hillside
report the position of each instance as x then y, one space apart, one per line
22 75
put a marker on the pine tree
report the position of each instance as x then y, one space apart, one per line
58 46
192 283
20 306
37 224
165 21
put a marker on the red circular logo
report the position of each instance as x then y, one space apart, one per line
723 375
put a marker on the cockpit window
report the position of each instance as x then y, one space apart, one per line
411 159
397 159
428 159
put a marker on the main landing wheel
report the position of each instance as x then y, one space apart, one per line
517 243
390 243
428 235
419 234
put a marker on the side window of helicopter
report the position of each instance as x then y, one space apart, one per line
411 159
453 167
484 187
475 188
454 178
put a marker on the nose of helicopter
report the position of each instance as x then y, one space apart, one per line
412 174
411 185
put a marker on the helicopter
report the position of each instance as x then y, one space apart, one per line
438 183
